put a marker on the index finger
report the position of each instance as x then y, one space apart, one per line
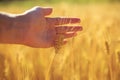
61 21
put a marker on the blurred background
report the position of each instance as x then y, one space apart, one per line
94 54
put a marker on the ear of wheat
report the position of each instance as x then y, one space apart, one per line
54 70
58 43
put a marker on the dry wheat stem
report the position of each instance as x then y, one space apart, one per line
107 46
2 67
58 46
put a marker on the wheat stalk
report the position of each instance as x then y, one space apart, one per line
109 61
118 54
2 68
56 58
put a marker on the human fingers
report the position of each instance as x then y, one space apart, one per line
39 10
61 21
47 11
66 35
64 29
69 35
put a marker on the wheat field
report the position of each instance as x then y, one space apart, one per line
94 54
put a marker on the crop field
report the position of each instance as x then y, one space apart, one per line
94 54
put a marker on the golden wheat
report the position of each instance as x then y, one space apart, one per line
2 67
92 56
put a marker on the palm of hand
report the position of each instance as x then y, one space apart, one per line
42 30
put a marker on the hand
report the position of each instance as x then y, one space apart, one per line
42 30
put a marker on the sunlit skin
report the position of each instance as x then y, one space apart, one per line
33 28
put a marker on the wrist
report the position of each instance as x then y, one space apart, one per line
14 32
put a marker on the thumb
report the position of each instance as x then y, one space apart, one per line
47 11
